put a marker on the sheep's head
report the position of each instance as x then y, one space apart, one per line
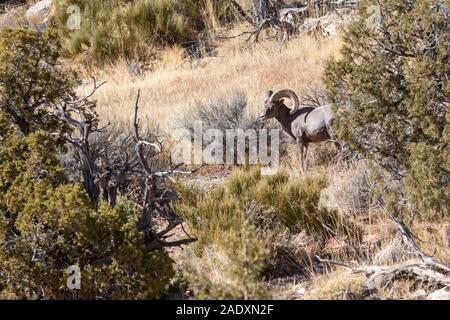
270 107
273 101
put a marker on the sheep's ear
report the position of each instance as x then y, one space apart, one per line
267 95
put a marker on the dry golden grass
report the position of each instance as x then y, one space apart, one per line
433 239
178 85
337 285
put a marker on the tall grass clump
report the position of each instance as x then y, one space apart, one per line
117 27
240 226
131 29
229 257
207 14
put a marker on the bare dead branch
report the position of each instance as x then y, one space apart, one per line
241 11
151 202
159 244
87 97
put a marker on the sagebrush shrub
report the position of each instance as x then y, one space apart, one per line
227 112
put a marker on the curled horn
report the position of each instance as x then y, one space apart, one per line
286 93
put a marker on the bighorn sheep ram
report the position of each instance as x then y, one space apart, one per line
304 124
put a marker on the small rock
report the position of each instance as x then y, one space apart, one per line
40 12
299 290
442 294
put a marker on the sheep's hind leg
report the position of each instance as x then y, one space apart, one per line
333 138
341 156
305 157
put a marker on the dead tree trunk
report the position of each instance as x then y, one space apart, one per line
88 175
80 115
260 10
151 202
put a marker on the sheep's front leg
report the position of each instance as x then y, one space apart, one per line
301 149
